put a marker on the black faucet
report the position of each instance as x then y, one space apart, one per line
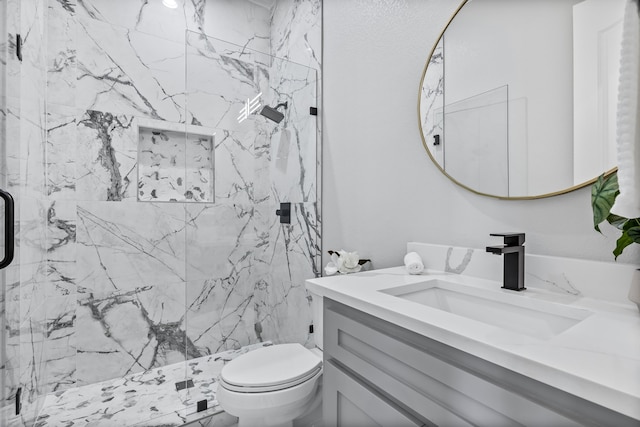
513 251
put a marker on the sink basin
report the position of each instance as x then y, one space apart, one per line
514 312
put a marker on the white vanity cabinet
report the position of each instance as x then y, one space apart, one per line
377 373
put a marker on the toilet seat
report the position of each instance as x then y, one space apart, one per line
271 368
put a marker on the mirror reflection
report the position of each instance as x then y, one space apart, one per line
518 98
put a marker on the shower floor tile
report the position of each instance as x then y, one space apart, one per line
144 399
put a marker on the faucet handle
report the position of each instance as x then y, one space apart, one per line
511 239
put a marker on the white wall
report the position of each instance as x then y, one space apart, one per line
380 189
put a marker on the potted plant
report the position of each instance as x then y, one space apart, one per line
603 195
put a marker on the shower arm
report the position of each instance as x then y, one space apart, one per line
284 104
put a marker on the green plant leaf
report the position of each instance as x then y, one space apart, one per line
632 228
617 221
603 194
624 241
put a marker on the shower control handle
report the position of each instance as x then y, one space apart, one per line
9 232
284 213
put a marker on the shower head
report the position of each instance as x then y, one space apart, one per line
272 113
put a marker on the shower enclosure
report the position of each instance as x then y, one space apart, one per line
146 184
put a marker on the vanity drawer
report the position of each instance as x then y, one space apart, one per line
349 402
444 386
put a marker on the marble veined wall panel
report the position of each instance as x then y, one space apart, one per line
126 246
221 271
61 149
106 155
129 331
128 72
246 275
282 303
60 54
131 297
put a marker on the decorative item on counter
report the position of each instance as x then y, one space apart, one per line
343 262
413 263
603 196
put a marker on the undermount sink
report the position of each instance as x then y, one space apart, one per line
514 312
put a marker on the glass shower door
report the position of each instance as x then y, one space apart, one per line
246 265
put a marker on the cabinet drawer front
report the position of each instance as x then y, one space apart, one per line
350 403
425 381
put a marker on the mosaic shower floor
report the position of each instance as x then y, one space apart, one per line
145 399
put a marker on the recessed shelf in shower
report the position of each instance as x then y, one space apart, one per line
175 163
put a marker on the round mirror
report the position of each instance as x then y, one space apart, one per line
518 98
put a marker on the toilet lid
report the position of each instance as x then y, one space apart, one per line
270 368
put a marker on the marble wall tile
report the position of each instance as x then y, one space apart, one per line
32 154
220 314
296 35
106 157
235 165
220 268
129 246
240 22
61 149
221 78
13 65
129 331
60 275
12 149
282 303
31 241
61 52
129 72
292 159
293 141
60 343
32 366
296 32
32 70
4 45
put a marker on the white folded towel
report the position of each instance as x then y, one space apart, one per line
413 263
628 118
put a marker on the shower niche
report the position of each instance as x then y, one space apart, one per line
175 164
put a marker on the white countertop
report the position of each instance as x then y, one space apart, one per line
598 359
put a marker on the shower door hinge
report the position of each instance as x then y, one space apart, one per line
201 405
313 111
18 400
19 47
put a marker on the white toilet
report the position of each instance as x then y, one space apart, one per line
273 386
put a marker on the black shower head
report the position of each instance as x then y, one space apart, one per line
272 113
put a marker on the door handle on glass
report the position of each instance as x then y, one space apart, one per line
9 235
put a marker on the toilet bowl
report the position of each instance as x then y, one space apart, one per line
276 385
271 386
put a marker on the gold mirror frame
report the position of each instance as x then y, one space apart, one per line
426 147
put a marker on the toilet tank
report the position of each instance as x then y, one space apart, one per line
316 313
